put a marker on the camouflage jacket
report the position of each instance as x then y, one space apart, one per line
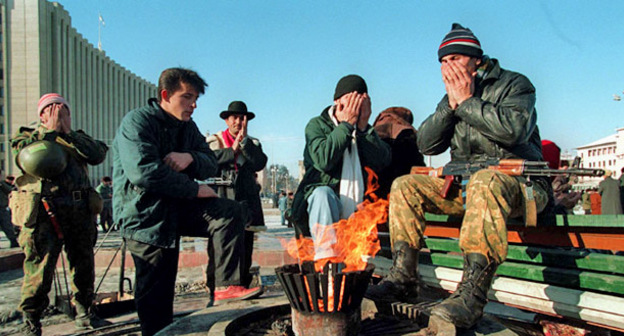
82 150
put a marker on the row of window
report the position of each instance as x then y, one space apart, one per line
601 164
600 151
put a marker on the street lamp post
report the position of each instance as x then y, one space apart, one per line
274 171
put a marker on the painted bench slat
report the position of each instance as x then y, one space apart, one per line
558 276
581 259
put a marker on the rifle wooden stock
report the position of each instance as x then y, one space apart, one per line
435 172
511 167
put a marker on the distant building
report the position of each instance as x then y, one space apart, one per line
41 52
606 153
301 170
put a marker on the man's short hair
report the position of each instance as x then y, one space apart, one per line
106 179
171 78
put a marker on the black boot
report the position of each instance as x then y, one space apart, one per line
30 328
401 283
465 306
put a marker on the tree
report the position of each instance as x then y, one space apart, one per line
279 179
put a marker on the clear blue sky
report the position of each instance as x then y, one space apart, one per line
283 58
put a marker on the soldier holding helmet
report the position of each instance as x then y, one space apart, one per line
53 159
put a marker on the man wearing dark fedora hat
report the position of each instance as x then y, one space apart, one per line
239 157
339 144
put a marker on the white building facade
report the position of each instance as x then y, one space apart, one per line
606 153
40 52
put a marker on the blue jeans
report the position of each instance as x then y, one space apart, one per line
323 210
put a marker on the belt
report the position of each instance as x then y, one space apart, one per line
72 195
78 195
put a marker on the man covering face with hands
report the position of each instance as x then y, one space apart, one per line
339 144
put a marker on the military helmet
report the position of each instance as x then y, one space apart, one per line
43 159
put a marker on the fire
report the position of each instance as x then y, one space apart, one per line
355 242
356 237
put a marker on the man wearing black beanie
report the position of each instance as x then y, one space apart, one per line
487 113
339 144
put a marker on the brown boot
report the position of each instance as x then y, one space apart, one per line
464 308
401 283
86 319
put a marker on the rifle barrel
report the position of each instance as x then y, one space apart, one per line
558 172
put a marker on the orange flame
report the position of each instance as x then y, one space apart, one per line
356 241
356 237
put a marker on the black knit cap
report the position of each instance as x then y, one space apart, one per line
462 41
348 84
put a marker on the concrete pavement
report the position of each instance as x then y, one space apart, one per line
268 254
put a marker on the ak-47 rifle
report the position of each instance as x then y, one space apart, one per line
455 171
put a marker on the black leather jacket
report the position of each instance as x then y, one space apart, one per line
499 121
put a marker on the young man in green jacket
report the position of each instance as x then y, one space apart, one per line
158 154
339 144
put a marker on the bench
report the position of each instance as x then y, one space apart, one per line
570 270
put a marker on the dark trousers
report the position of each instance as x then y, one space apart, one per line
106 218
7 226
156 267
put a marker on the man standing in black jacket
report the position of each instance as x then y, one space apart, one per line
487 113
239 157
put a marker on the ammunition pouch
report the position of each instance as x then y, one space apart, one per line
24 207
96 203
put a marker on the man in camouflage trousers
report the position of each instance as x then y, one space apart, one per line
488 112
74 202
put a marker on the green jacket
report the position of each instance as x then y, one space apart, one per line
106 192
322 159
147 193
82 150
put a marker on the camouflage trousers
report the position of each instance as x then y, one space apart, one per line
491 198
42 248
